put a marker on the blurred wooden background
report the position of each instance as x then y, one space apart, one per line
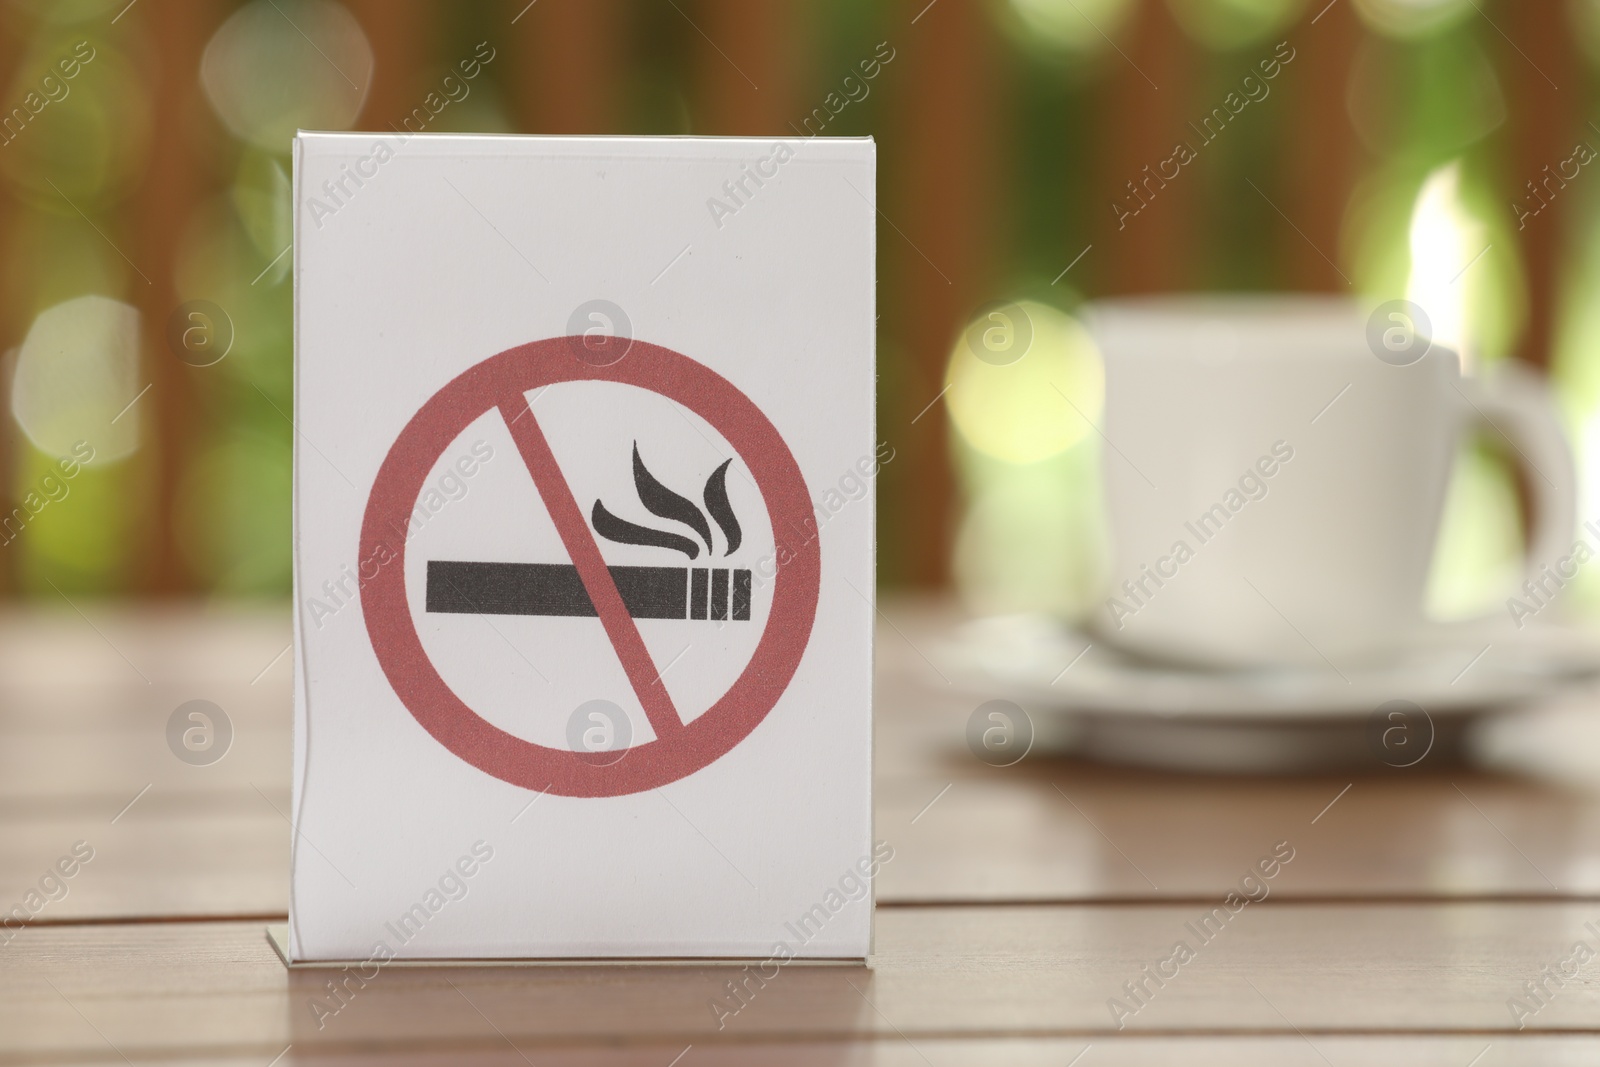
1000 161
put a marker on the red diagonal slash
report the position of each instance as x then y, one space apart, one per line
597 580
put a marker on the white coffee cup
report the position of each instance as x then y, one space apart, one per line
1274 478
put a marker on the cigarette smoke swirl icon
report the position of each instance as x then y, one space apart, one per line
664 503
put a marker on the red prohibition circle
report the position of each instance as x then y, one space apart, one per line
503 380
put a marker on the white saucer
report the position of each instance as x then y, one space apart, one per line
1087 698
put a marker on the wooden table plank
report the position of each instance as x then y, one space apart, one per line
1064 830
1002 836
1119 1051
82 734
1300 971
1563 1051
227 857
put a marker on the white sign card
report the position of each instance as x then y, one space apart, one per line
583 547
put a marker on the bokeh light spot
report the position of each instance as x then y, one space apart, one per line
1037 406
1412 19
1445 240
280 65
1076 26
76 375
1228 24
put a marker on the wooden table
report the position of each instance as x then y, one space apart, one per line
1019 901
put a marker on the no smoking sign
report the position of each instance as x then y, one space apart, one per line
636 574
686 740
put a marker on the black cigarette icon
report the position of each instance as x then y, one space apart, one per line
710 593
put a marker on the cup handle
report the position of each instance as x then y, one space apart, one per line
1517 404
